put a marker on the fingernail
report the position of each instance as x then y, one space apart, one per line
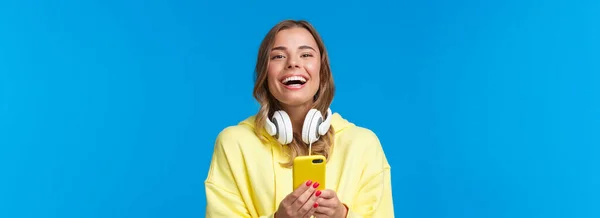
318 193
308 183
315 205
316 185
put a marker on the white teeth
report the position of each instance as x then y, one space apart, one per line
299 78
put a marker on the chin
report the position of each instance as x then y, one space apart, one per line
298 97
296 102
292 100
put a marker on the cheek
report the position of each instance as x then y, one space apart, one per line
314 70
272 70
272 83
272 73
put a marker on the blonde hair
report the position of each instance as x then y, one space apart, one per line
268 103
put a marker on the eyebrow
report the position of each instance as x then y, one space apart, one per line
301 47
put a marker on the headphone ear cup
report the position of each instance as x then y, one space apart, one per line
270 127
311 125
284 127
324 127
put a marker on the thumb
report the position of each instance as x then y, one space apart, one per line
328 194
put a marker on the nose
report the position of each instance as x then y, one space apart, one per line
292 63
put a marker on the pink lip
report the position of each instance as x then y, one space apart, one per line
295 87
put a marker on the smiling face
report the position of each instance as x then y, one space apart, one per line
294 65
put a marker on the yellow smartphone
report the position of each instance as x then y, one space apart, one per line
311 168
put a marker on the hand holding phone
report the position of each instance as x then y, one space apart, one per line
302 202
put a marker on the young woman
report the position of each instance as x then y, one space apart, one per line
250 173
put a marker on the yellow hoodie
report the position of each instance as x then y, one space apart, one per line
246 180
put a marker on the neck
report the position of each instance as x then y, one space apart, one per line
297 115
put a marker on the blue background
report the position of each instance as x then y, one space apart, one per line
484 109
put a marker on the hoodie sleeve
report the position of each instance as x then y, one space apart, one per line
374 197
224 203
223 196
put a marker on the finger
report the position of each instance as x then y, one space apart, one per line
291 198
328 203
328 194
307 205
301 200
312 210
311 204
323 211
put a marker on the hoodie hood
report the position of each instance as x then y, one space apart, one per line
338 123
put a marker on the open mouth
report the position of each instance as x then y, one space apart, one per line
294 81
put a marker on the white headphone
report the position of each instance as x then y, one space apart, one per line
280 126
